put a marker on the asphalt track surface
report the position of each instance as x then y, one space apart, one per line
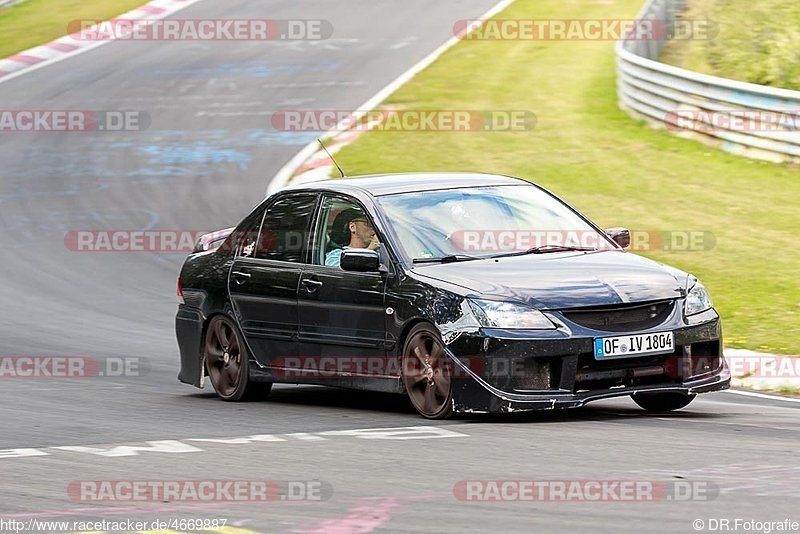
205 160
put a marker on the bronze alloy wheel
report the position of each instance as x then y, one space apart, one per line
427 373
227 362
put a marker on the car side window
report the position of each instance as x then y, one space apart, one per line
332 232
285 230
244 239
342 224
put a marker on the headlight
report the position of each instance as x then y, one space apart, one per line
697 300
493 314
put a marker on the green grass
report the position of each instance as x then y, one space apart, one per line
35 22
758 42
788 391
616 170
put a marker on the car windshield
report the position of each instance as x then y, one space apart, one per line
486 221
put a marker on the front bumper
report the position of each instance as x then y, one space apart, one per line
500 371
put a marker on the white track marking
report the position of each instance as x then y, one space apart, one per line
179 446
760 395
305 436
170 446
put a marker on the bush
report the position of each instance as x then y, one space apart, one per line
758 42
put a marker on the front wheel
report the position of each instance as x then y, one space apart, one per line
426 373
228 364
662 402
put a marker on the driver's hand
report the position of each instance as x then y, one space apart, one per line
374 243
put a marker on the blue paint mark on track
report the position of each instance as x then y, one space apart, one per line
252 69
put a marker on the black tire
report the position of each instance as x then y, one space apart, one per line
662 402
227 362
426 373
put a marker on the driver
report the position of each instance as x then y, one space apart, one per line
351 226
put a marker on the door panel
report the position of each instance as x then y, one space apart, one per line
265 298
342 314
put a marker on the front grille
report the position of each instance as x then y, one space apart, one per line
595 374
623 317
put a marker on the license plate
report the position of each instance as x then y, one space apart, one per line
635 345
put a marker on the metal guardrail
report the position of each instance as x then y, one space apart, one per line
664 95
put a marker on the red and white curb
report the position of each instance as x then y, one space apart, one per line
72 45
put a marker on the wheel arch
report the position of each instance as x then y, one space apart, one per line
410 324
227 312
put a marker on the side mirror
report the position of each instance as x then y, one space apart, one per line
620 236
361 260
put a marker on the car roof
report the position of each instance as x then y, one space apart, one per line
389 184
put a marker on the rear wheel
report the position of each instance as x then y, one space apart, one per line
426 373
662 402
228 363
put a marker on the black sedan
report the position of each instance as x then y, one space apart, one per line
468 292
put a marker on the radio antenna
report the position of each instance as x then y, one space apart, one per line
331 156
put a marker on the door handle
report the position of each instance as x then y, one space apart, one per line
311 285
240 277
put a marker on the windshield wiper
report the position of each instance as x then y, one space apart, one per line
544 249
452 258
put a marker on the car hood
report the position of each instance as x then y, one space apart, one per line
564 279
